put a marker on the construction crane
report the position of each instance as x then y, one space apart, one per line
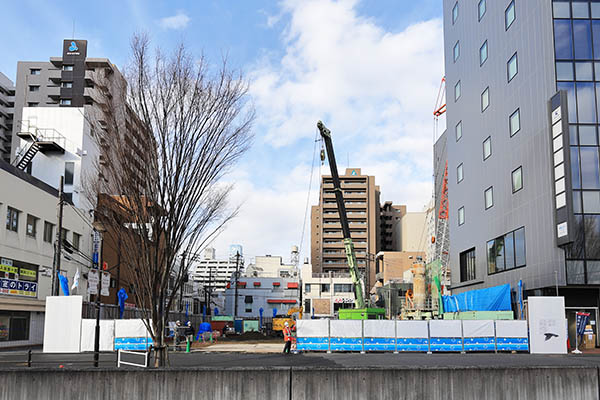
359 302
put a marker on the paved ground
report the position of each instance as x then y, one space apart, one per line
227 356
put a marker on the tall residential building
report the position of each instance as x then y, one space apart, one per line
522 147
361 197
390 216
7 103
58 104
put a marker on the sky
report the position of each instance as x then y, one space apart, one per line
369 69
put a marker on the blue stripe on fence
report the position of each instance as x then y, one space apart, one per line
380 344
136 343
446 344
480 344
413 344
513 344
312 343
346 344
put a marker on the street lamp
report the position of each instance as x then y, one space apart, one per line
98 227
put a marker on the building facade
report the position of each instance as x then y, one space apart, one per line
390 216
27 240
361 197
7 104
214 274
522 147
275 296
271 267
325 293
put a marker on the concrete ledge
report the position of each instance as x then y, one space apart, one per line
280 383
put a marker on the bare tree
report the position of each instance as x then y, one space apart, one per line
165 139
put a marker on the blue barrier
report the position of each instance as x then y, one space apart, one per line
427 336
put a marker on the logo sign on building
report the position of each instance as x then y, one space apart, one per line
561 168
75 48
93 280
16 287
343 301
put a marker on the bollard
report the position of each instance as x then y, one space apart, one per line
29 358
187 348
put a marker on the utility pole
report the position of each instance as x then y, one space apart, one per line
58 244
209 298
98 305
237 275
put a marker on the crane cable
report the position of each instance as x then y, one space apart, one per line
312 168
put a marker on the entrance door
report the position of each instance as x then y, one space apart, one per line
572 323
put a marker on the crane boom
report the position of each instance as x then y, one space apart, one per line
348 245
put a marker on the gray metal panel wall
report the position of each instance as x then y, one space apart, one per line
531 37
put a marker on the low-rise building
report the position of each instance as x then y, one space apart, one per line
273 295
271 267
27 243
324 293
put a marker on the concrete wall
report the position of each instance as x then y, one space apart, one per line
303 383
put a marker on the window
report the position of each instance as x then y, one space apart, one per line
467 265
483 53
69 170
489 197
461 216
65 102
517 179
458 130
487 148
342 288
515 122
63 234
482 8
76 240
12 219
509 15
506 252
561 10
456 51
512 67
564 71
32 104
48 232
31 225
307 288
457 91
485 99
34 88
34 71
325 287
459 173
455 13
563 39
14 325
67 85
67 68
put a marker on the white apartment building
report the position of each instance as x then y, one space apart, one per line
271 267
214 274
325 293
27 239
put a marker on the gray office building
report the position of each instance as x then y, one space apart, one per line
523 109
7 103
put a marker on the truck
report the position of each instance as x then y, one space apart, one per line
279 321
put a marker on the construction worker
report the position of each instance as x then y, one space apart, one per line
287 338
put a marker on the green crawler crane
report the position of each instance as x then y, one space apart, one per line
360 310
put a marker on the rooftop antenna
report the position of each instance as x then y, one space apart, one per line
73 36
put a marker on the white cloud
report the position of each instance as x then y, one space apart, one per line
177 21
374 89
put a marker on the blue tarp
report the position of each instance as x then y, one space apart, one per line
496 298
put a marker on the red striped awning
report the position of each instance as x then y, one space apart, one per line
292 285
281 301
256 283
276 284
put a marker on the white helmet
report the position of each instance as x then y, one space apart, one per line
286 324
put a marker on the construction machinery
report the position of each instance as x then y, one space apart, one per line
360 311
279 321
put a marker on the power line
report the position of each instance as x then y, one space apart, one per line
312 167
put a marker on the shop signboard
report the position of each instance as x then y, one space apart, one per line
17 287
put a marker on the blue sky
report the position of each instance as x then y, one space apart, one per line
369 69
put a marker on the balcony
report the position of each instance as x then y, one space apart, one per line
55 75
53 92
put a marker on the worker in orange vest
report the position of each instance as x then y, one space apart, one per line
287 338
